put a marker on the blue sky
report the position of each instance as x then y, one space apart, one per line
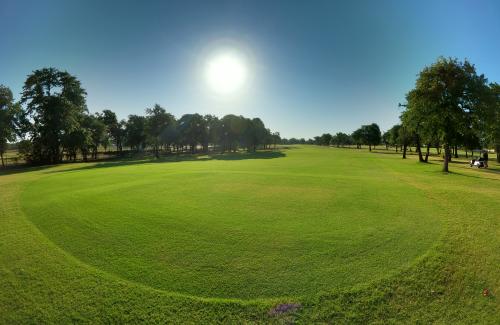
316 66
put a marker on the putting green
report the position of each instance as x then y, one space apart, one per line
239 226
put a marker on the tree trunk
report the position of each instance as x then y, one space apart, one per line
1 157
396 148
370 147
447 156
427 152
497 149
466 156
419 149
456 151
404 150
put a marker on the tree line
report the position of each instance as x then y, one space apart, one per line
51 123
369 135
451 107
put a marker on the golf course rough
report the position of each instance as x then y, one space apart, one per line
230 237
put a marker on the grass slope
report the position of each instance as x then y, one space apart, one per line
350 235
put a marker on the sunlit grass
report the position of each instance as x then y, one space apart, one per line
349 235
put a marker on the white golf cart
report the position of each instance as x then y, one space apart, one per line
480 161
477 162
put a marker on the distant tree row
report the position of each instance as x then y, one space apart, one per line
369 135
296 141
53 123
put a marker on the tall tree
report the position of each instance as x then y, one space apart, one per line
386 139
97 132
192 130
254 134
232 127
55 102
135 132
8 113
115 129
357 137
394 138
157 123
448 93
214 130
414 123
325 139
371 135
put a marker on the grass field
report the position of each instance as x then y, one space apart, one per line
346 235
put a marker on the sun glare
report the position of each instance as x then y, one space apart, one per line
226 73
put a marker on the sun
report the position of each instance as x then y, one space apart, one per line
226 73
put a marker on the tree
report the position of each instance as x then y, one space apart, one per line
232 127
55 102
413 124
448 94
157 123
170 136
135 132
8 113
255 133
357 137
394 138
404 138
341 139
276 138
115 129
214 130
370 135
192 130
324 139
97 132
470 142
386 139
78 139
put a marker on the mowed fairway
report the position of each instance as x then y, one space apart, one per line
250 228
331 229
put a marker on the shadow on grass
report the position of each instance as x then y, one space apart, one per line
478 176
461 168
400 153
17 169
148 159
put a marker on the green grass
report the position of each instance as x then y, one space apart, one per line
351 236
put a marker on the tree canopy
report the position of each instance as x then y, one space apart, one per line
55 106
447 103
